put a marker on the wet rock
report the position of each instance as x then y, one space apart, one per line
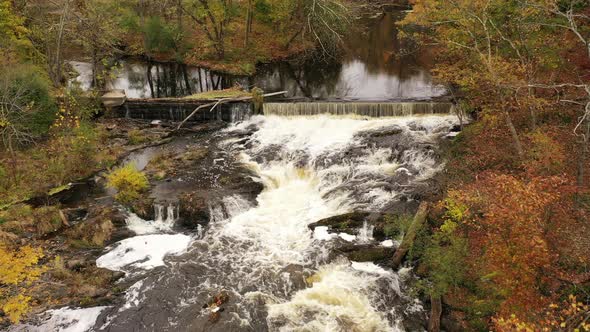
351 223
244 185
193 209
120 233
347 223
143 207
401 207
96 230
367 253
297 276
117 275
75 215
391 131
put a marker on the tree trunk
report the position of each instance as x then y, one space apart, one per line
60 33
150 79
408 241
94 65
288 44
582 164
514 134
249 16
189 89
435 313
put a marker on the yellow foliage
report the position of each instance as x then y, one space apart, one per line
129 182
19 266
16 306
18 269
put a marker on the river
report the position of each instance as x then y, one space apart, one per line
372 67
256 265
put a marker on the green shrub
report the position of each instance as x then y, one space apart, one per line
159 37
396 226
444 256
136 137
27 87
129 182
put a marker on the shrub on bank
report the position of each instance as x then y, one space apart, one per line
129 182
27 100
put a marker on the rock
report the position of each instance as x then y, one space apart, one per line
346 223
76 264
144 208
95 230
351 223
367 253
75 215
297 276
387 132
117 275
193 210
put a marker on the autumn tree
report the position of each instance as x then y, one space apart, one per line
322 21
98 32
213 17
493 50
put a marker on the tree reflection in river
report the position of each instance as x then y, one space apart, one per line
371 68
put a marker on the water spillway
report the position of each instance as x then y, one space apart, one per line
370 109
177 110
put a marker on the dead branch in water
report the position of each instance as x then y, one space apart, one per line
224 101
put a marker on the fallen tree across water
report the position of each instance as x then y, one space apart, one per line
408 241
213 105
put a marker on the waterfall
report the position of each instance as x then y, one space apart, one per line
278 276
366 233
165 217
377 109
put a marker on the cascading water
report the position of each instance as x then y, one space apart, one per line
280 275
372 109
164 219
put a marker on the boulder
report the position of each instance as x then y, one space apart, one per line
347 223
193 209
367 253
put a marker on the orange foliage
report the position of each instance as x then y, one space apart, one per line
505 224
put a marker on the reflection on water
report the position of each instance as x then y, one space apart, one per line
371 69
142 79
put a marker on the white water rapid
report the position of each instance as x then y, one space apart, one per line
280 275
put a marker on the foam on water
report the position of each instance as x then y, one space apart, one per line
277 226
65 320
257 252
143 252
299 191
338 300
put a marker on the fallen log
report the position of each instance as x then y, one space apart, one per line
435 313
408 241
213 105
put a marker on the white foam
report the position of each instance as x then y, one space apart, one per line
64 320
277 226
337 301
321 233
387 243
143 252
370 267
133 296
347 237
